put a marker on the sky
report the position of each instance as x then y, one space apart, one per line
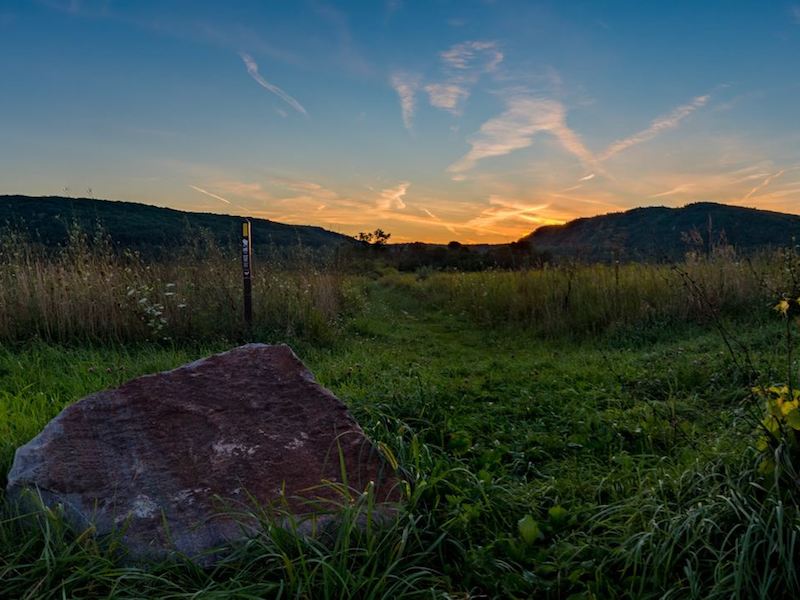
435 120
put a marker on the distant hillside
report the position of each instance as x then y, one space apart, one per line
657 233
147 228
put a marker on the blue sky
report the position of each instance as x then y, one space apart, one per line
469 120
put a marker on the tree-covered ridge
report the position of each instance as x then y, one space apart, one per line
660 233
640 234
48 220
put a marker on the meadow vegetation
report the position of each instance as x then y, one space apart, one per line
575 300
606 431
85 292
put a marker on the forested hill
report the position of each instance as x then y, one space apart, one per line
660 233
147 228
646 234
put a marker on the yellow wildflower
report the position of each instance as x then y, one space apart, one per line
782 307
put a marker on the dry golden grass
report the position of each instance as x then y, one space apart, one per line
587 299
87 292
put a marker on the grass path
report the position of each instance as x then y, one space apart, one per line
541 402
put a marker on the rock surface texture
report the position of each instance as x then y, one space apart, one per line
181 448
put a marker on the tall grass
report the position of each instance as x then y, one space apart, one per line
87 292
714 531
590 299
365 555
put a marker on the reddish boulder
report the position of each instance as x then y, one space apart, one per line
164 457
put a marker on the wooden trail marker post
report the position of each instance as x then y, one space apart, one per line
247 267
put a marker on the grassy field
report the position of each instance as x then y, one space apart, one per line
573 433
86 293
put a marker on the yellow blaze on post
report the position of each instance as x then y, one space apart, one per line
246 229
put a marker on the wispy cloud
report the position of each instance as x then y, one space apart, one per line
678 189
446 96
245 191
469 55
512 217
463 64
658 126
392 198
406 87
515 128
252 69
767 180
449 226
207 193
308 188
342 212
525 116
505 215
759 183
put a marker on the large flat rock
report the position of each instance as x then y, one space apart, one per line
181 448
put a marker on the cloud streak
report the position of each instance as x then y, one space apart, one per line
207 193
515 128
512 217
340 211
392 198
526 116
678 189
446 96
463 64
252 69
658 126
469 55
767 180
406 88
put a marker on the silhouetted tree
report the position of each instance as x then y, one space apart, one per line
377 238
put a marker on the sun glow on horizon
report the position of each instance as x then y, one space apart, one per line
501 217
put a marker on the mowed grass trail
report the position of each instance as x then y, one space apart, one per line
538 467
